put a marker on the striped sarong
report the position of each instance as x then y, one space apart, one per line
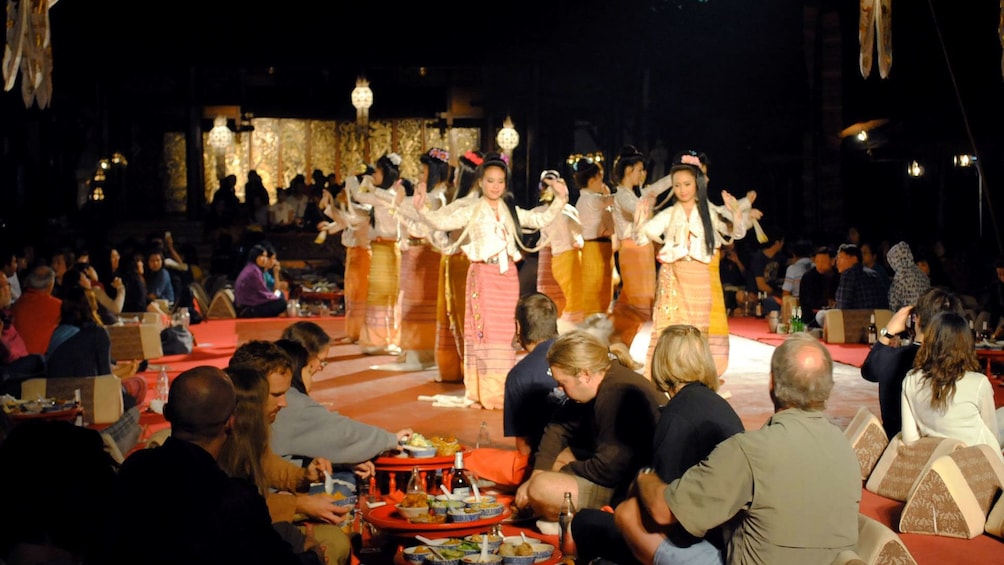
633 306
381 329
450 307
489 326
567 270
718 327
683 296
357 272
597 277
546 283
418 298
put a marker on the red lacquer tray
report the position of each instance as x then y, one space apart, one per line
386 517
554 558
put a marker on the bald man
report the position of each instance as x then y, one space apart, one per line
197 513
786 493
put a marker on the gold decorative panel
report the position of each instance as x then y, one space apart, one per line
279 149
175 172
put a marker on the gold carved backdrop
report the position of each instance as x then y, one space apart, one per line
280 149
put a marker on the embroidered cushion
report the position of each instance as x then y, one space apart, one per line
868 439
954 495
878 544
995 520
900 465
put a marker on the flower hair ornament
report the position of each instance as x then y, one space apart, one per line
474 158
439 154
690 160
394 158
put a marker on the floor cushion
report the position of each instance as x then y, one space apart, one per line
901 465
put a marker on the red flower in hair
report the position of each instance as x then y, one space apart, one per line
474 158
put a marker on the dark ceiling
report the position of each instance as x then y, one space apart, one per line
728 76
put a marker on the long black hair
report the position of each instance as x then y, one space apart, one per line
391 171
466 173
628 157
702 201
438 162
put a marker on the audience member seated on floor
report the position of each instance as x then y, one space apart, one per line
945 395
908 283
531 396
61 260
766 271
597 440
8 266
56 513
991 302
16 364
252 298
80 347
199 515
36 313
261 381
692 424
759 479
818 289
892 357
158 280
801 263
137 298
306 428
107 308
859 288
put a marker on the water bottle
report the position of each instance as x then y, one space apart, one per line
163 385
484 438
565 543
186 317
415 483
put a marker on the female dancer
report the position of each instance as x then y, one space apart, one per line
633 306
594 205
420 262
453 279
559 263
692 230
379 335
491 227
353 220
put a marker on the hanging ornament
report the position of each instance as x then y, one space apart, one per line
28 49
875 19
1000 32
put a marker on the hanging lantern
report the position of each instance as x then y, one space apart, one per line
915 169
220 136
362 99
508 137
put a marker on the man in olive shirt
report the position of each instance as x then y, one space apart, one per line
786 493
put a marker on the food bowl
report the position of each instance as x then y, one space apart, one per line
490 559
438 506
411 511
488 509
420 452
484 498
469 547
494 541
542 551
508 552
464 515
416 554
516 540
449 557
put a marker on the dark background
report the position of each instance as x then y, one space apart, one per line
742 81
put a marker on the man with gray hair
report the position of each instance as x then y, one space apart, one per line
36 313
785 493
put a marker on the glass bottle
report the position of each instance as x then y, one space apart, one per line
872 330
484 438
460 483
565 543
163 384
758 308
415 483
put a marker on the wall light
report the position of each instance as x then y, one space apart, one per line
220 136
915 169
863 136
964 160
362 99
508 137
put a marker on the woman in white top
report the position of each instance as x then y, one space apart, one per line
379 335
492 225
691 231
636 263
353 220
945 395
595 206
559 261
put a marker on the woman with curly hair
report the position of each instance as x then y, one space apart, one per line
945 395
